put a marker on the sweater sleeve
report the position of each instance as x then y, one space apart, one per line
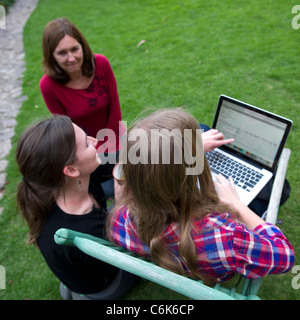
47 87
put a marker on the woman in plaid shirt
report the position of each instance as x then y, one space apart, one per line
160 212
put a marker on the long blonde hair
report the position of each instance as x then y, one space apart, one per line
159 194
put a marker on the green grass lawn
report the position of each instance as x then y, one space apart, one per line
195 50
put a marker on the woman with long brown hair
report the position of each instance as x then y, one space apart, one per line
178 216
60 189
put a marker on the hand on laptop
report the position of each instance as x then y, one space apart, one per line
213 139
226 190
228 196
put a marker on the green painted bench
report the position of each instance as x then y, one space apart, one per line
128 261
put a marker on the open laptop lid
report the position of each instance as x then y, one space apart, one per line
259 135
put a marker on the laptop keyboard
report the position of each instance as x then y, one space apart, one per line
242 175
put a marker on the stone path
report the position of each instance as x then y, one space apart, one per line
12 66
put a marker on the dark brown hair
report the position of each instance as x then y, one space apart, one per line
43 150
54 31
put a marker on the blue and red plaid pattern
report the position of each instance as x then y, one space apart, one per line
224 247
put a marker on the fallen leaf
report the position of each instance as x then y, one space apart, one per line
141 42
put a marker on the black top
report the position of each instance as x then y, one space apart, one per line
78 271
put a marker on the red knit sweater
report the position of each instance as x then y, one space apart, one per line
92 109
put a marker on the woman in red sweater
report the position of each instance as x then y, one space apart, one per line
81 85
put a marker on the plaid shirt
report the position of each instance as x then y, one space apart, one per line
224 247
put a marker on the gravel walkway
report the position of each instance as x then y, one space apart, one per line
12 66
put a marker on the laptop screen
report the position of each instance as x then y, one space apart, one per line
259 135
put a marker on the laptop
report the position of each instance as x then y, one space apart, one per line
253 156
